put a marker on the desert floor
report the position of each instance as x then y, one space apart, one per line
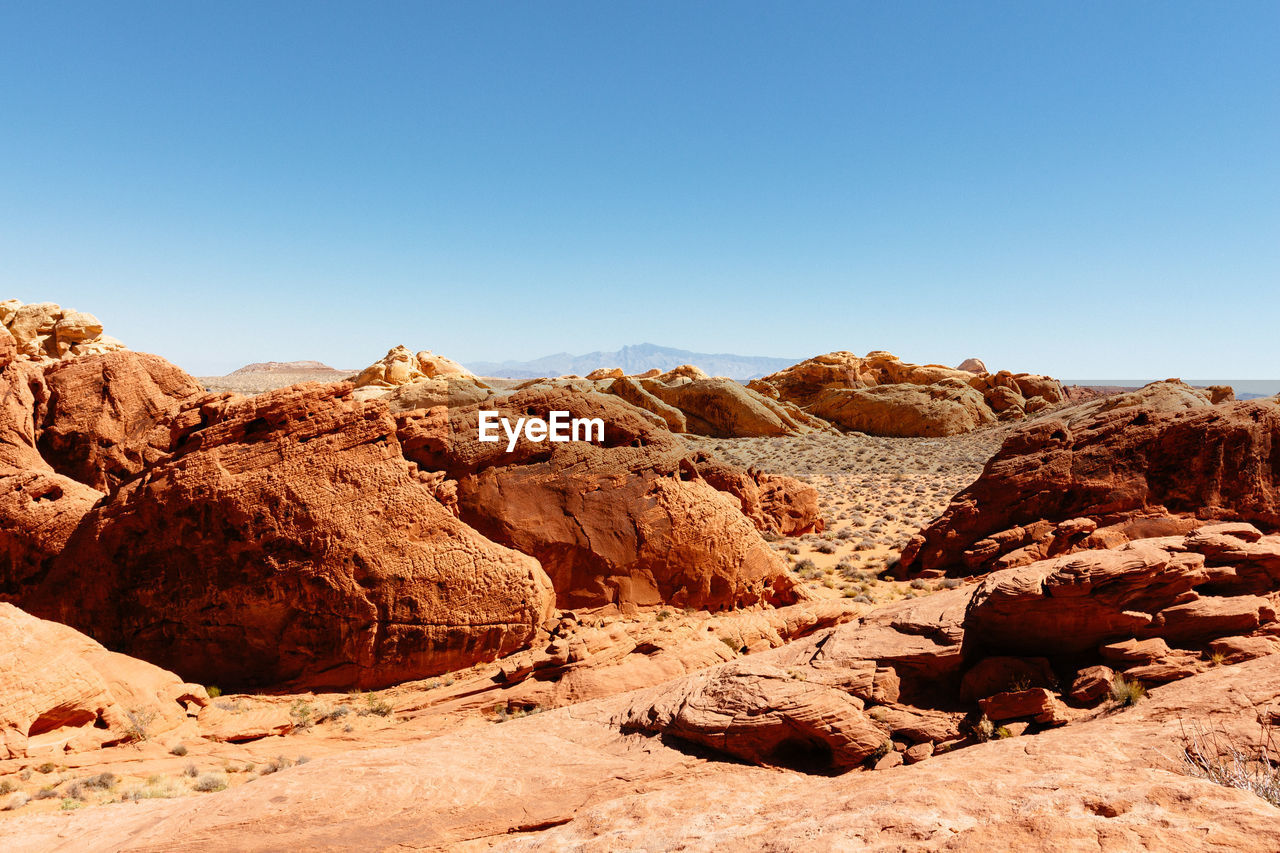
875 493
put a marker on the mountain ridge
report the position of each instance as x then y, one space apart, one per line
635 358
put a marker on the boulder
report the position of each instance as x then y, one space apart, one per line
634 393
628 521
1204 462
106 418
1036 703
972 365
1092 684
287 540
759 714
944 408
774 503
62 692
401 366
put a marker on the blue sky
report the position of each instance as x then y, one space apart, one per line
1087 189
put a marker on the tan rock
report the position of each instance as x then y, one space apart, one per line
972 365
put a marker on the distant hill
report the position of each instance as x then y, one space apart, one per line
1246 389
634 359
283 367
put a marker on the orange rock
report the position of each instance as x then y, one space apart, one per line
61 691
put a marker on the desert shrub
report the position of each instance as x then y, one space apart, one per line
1001 733
47 793
6 787
70 804
101 782
191 770
983 729
139 723
25 775
880 752
663 615
214 691
1126 693
47 767
73 791
1220 758
376 705
16 802
825 547
178 750
301 714
805 565
771 535
337 712
951 583
210 782
275 765
919 583
1217 659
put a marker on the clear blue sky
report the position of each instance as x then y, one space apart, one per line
1079 188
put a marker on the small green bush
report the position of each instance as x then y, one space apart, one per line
1126 693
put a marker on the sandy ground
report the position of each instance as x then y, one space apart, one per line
875 493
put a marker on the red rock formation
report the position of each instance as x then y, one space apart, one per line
105 418
62 692
626 522
1207 462
286 539
774 503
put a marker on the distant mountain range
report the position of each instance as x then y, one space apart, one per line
634 359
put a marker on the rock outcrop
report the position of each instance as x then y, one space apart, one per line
401 366
44 331
1127 471
62 692
287 540
882 395
628 521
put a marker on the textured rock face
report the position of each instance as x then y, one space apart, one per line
774 503
61 691
882 395
1207 462
945 408
288 540
626 522
972 365
105 418
758 713
724 409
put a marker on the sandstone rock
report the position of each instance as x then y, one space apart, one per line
1136 651
972 365
634 393
905 410
999 674
76 327
8 348
61 691
287 540
44 331
759 714
1207 462
627 522
239 726
918 753
889 761
1092 684
722 408
106 418
401 366
1239 649
1205 618
775 503
683 373
1036 703
606 373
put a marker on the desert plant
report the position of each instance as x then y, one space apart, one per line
825 547
73 791
1126 693
983 729
214 691
1222 759
178 750
139 723
300 712
6 787
663 615
101 782
1217 659
951 583
191 770
47 767
70 804
47 793
16 802
210 782
376 705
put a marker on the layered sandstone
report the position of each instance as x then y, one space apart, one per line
1119 472
44 331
